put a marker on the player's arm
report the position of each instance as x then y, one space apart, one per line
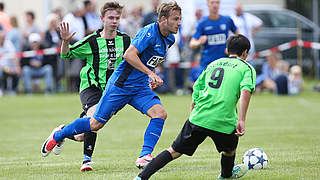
192 106
195 43
131 56
66 36
243 108
198 38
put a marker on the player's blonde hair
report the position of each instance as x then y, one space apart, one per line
111 6
165 9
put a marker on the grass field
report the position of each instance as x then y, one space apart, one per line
286 128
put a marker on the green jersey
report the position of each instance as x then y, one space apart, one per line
102 56
217 91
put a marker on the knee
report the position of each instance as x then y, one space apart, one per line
160 113
95 125
163 114
79 137
157 111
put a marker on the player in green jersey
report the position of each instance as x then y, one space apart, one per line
214 111
102 51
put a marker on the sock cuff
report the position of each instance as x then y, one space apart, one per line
228 157
157 120
168 154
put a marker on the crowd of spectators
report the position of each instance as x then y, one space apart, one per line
50 74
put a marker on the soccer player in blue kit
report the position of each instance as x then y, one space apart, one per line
130 84
212 33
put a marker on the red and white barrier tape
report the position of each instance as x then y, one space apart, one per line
281 47
286 46
26 54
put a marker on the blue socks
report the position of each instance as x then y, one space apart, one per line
152 135
76 127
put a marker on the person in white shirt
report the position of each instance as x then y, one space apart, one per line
248 25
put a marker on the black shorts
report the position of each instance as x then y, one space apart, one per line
192 135
90 97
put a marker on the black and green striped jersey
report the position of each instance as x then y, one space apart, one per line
102 56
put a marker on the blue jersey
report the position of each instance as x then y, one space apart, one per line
152 47
217 32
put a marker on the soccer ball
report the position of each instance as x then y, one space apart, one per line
255 158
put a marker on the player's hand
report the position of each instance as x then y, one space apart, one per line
152 86
156 81
203 39
240 129
64 31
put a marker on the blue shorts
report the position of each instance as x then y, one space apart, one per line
115 98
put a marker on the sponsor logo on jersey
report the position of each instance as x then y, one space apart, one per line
223 27
154 61
217 39
110 43
207 28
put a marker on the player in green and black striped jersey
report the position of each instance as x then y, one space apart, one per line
102 51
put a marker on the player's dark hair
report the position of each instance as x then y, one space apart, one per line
1 6
110 6
165 9
237 44
31 14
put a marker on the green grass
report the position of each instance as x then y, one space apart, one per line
286 128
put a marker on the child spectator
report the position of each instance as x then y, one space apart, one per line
295 83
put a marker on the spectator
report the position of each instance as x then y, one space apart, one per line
265 80
280 76
187 52
14 34
34 67
76 24
248 25
173 56
211 34
132 23
58 11
4 18
274 75
9 65
295 85
53 40
152 16
91 18
30 27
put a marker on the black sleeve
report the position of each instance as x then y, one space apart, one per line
126 42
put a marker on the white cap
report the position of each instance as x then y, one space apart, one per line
34 37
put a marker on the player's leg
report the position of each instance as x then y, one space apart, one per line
79 138
78 126
88 144
147 102
104 111
112 100
115 100
227 144
186 143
